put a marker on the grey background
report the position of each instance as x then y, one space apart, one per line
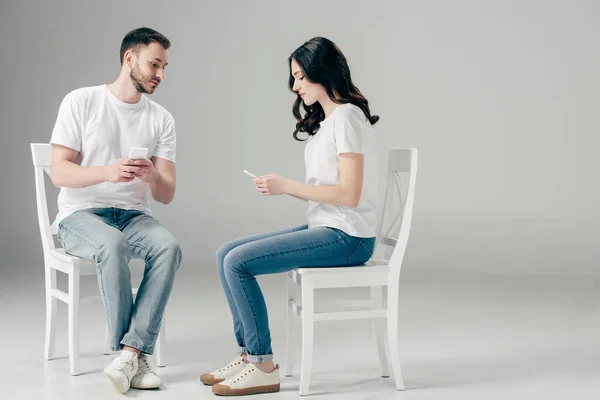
499 292
500 96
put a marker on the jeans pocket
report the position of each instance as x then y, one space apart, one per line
363 252
341 234
369 245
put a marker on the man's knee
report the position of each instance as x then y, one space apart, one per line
174 248
113 245
170 249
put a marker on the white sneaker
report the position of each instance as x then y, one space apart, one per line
145 378
221 374
122 369
250 380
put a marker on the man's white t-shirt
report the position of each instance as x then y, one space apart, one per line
103 129
346 130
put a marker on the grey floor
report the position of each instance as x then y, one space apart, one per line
463 336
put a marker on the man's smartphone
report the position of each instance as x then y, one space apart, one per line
138 153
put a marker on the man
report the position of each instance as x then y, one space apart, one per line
104 215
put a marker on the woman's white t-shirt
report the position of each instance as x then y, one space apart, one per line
346 130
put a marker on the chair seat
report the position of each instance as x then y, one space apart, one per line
374 263
374 272
86 267
62 255
67 261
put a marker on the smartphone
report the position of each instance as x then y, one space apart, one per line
137 153
250 174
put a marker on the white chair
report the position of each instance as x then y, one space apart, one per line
379 274
56 259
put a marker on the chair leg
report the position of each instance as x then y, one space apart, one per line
51 308
290 328
377 300
308 331
160 342
393 335
74 322
107 350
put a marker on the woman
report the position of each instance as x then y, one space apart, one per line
341 190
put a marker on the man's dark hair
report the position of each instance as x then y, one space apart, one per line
140 37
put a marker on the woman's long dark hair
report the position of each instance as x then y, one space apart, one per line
322 62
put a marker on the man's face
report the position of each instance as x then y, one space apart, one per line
148 67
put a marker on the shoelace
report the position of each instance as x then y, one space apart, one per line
125 365
143 366
240 375
230 365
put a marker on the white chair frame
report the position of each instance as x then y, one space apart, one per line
57 260
382 275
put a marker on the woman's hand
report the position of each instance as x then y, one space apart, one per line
271 184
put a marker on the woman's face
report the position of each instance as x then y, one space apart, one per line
309 91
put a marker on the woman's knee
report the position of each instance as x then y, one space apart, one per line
234 261
222 252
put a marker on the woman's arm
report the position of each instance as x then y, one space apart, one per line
347 193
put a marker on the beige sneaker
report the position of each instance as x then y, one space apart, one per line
250 380
221 374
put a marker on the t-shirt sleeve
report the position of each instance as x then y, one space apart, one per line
165 148
349 133
68 127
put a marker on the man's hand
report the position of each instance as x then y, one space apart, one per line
122 170
145 170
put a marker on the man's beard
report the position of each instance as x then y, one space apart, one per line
137 78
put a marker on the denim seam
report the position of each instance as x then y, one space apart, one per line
110 328
125 224
141 247
79 237
300 249
243 332
354 251
138 346
106 306
237 273
336 231
251 309
372 250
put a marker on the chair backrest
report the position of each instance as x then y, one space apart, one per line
41 154
402 164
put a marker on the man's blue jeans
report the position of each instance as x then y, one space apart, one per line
111 237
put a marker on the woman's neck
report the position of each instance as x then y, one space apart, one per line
328 106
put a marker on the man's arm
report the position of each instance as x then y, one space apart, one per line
159 173
66 173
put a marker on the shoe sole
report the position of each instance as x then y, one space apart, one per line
224 390
119 385
209 379
146 387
